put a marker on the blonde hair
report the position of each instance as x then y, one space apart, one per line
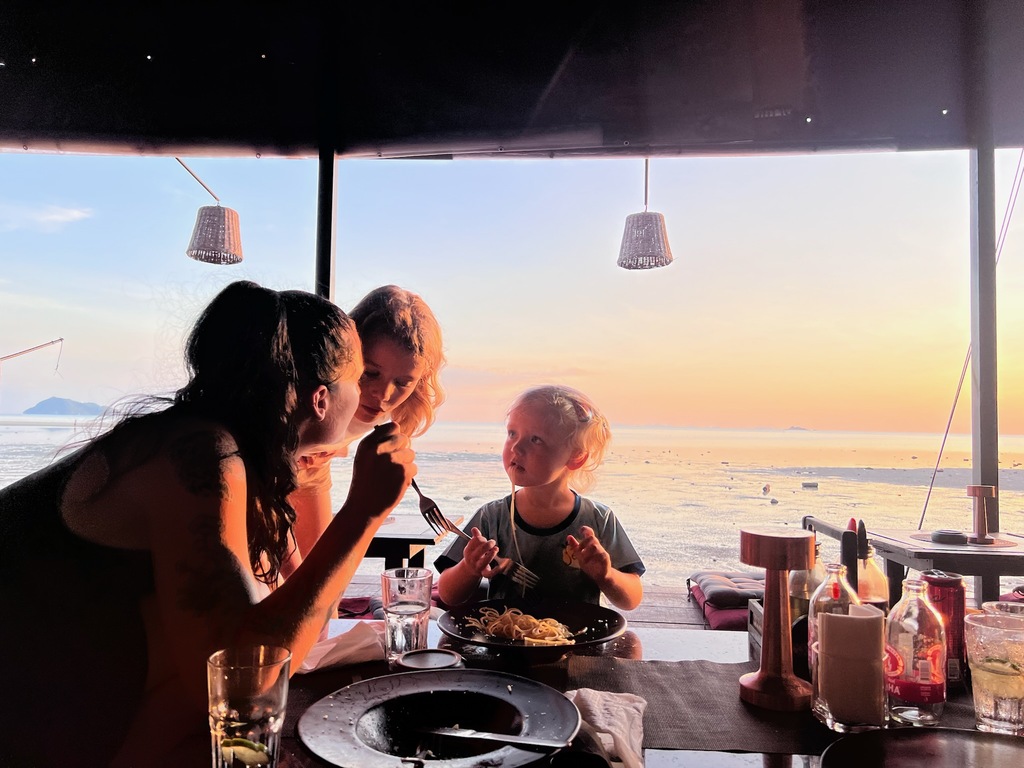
393 313
584 427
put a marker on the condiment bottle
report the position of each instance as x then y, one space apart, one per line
915 658
833 595
872 584
802 584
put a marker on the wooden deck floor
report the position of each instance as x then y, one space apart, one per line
661 607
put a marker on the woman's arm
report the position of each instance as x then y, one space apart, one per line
207 595
311 501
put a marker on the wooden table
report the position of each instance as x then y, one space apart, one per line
986 562
402 540
906 548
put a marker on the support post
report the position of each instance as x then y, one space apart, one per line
984 401
325 222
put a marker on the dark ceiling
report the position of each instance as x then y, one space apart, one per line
557 78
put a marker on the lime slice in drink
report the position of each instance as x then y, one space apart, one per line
242 752
1000 677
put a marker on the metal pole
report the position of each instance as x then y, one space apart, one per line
984 400
325 205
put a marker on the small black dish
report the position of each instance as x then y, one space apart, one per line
429 658
947 536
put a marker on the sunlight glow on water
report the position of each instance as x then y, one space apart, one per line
683 495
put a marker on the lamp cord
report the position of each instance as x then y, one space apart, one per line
647 179
197 179
1003 230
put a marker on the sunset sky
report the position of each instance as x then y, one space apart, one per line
821 291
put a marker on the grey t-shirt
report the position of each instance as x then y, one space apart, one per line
542 550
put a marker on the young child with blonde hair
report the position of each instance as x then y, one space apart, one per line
555 440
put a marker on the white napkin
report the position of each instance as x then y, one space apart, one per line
364 642
851 672
618 719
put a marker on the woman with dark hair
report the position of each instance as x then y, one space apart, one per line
127 563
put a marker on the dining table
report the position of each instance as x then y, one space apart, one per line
688 677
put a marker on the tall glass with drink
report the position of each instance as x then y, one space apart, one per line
248 690
995 653
405 593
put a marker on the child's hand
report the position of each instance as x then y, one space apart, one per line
478 554
591 556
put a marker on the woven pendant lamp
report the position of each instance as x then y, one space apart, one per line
645 238
217 237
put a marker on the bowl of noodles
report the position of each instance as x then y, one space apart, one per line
541 629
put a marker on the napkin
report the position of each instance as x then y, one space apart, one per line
364 642
618 719
851 675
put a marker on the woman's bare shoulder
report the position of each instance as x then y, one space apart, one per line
128 474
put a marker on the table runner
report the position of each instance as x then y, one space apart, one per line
696 705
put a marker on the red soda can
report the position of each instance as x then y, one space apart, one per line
946 592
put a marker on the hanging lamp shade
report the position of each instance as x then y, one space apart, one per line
217 238
645 242
645 238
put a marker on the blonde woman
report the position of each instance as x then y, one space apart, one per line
555 439
402 359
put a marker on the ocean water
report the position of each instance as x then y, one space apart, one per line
681 494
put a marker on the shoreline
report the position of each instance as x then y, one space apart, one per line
682 495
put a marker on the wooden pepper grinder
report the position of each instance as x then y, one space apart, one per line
778 550
979 493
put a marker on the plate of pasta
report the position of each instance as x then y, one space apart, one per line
539 627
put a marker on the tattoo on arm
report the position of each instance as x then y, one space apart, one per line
211 577
197 458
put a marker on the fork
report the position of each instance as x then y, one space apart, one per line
436 519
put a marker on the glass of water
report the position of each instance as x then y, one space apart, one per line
405 593
248 688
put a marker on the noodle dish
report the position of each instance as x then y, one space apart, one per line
535 625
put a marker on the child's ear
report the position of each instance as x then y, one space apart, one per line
577 461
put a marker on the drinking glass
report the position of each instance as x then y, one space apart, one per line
406 596
248 688
995 653
1008 607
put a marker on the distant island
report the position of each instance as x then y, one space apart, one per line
59 406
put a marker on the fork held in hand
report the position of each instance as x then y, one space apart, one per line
435 518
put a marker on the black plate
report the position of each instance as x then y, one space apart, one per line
370 724
924 748
591 624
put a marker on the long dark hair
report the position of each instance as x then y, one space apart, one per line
251 356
